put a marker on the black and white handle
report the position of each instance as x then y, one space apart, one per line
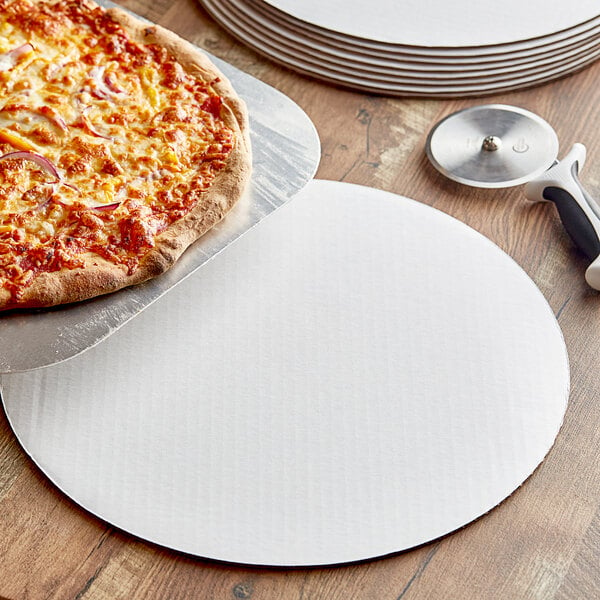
578 211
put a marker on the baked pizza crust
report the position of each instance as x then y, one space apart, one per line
99 276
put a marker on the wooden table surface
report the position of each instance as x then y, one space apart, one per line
541 543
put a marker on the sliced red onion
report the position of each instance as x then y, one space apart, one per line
111 84
88 125
104 88
38 159
99 89
54 117
9 59
107 207
70 185
43 112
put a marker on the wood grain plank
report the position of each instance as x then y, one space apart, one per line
12 459
47 545
582 579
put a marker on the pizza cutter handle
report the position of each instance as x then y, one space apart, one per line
578 211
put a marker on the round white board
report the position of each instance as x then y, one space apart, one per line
415 84
439 23
357 375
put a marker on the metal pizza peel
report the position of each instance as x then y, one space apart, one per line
496 146
286 152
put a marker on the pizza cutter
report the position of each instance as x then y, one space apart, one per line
495 146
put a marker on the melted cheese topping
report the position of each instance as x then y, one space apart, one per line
104 142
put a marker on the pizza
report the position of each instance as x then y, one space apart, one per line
120 145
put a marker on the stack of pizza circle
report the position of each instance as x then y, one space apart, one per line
411 48
120 145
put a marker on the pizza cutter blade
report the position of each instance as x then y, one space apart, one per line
495 146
